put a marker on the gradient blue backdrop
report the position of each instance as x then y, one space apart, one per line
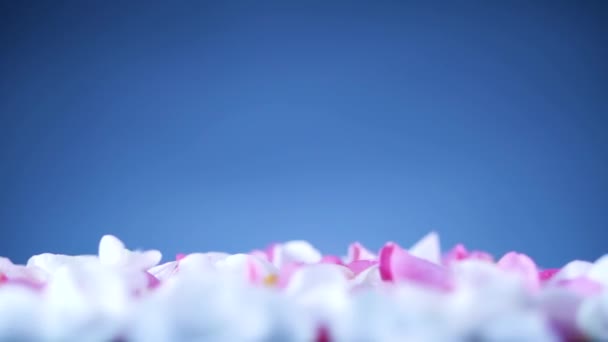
193 126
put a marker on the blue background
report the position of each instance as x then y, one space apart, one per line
195 126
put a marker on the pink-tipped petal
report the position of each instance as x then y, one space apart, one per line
523 266
270 252
460 253
396 264
253 274
356 252
546 275
287 271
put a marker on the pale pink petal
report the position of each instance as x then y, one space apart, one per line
319 276
261 254
459 253
165 270
356 252
523 266
396 264
331 259
270 252
294 251
361 265
287 271
582 286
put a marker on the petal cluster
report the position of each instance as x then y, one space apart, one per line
292 292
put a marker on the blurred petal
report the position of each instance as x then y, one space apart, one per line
357 252
523 266
428 248
396 264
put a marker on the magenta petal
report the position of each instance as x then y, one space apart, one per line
523 266
386 254
396 264
361 265
547 274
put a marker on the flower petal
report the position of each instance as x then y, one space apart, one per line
428 248
523 266
396 264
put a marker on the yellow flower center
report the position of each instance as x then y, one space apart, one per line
271 280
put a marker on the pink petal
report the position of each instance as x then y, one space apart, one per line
180 256
479 255
356 252
361 265
459 252
547 274
153 282
25 282
270 252
396 264
253 271
523 266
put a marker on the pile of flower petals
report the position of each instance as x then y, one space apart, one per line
291 292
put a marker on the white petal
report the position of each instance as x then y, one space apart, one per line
164 271
599 271
518 326
572 270
49 263
20 316
592 317
111 251
296 251
428 248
